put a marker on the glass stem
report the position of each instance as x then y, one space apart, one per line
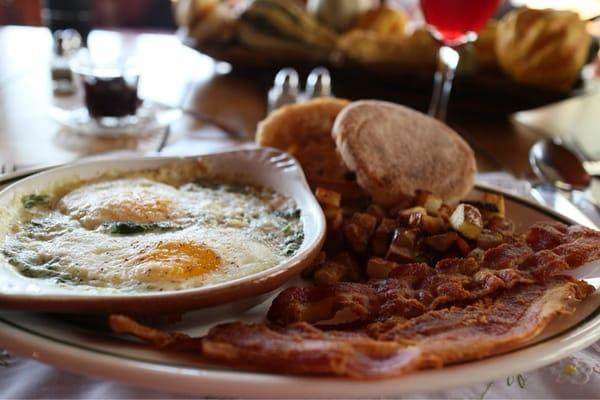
442 82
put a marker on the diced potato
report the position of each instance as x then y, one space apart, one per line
403 245
342 268
463 246
487 210
477 254
329 273
376 211
334 218
400 254
488 239
430 224
414 220
406 237
441 242
467 221
407 212
429 201
502 225
444 212
308 273
358 230
400 206
383 236
328 197
352 271
417 217
421 197
498 201
379 267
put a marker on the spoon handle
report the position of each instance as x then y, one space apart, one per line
563 206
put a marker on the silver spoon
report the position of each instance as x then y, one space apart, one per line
558 166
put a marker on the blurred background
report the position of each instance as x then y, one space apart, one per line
84 14
217 59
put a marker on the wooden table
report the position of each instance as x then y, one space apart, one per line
177 75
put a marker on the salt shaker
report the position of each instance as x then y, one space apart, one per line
318 83
285 89
66 42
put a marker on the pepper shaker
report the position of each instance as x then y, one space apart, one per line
285 89
318 83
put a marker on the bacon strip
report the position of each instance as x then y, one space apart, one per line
159 339
513 294
384 349
396 347
412 289
409 291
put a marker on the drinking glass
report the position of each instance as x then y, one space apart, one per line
452 23
110 89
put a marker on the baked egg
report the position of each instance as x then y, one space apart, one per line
151 231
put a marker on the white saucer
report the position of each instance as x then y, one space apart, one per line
149 119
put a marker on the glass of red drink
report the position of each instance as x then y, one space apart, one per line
452 23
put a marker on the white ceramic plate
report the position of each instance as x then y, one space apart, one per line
266 167
83 347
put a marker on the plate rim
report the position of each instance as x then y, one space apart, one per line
235 382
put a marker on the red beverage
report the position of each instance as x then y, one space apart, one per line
457 21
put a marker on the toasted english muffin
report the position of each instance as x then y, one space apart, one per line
395 150
304 130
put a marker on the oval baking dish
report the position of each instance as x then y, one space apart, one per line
264 167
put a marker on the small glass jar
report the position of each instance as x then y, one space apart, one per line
110 89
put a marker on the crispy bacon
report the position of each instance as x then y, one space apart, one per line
160 339
418 317
398 346
412 289
303 349
409 291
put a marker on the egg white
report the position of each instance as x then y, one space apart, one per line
211 235
137 200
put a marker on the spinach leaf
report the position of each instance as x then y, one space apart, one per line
132 228
46 270
32 200
288 213
293 242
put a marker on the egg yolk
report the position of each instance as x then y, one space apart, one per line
175 260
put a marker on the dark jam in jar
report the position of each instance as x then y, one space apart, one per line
110 96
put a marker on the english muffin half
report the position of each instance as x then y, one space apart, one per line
304 130
395 150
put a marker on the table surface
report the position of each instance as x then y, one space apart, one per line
176 75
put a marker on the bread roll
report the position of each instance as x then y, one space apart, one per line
384 21
304 131
544 48
395 150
